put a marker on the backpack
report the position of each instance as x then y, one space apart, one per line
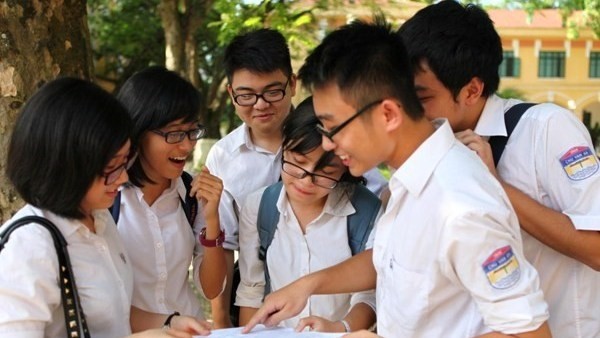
189 204
359 224
511 119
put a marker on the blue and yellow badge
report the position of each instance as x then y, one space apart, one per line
579 163
502 268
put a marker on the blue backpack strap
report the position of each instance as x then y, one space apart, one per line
267 219
360 224
115 209
511 119
189 204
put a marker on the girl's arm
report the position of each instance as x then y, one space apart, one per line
143 320
208 188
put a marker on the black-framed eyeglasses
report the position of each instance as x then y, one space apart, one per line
299 172
271 95
332 132
177 136
113 175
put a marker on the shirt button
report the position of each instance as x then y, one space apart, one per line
162 276
159 245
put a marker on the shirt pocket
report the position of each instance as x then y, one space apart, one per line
408 301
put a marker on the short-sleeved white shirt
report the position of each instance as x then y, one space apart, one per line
30 296
550 157
293 254
161 246
448 250
243 167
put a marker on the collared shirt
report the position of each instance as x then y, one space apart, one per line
161 246
448 251
243 167
293 254
30 295
540 160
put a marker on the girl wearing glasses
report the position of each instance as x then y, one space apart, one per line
311 232
156 216
66 159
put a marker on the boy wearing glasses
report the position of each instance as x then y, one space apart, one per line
261 85
447 259
548 169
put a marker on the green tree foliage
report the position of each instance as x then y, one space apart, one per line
511 93
590 8
127 36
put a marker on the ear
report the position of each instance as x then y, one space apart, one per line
471 92
293 83
392 115
229 89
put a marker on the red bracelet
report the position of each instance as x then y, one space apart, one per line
211 243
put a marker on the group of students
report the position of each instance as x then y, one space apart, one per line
463 247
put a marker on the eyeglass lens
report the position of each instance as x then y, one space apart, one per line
319 180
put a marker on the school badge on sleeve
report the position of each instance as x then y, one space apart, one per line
579 163
502 268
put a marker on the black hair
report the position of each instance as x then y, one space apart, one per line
155 97
64 137
367 62
300 135
261 51
458 43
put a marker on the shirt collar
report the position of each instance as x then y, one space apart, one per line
419 167
491 121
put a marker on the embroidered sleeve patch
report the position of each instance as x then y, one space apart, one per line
579 163
502 268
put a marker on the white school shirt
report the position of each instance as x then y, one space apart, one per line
243 167
161 246
539 160
293 254
30 298
448 251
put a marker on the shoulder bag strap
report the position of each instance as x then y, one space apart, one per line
74 316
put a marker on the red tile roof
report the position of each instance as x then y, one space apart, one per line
545 18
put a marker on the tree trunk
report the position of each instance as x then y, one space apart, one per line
39 40
174 47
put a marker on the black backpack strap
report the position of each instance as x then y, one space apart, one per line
74 317
360 224
511 119
266 222
189 204
115 209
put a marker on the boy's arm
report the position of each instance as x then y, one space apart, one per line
551 227
555 229
341 278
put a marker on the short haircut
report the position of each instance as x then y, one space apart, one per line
300 135
367 62
261 51
66 134
155 97
458 43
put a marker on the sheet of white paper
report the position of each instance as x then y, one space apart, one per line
262 331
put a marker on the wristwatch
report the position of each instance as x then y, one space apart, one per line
211 243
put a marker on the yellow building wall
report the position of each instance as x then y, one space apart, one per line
576 91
